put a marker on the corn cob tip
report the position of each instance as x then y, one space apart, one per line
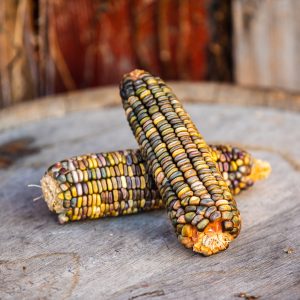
135 74
211 241
260 170
50 190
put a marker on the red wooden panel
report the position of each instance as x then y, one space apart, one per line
90 42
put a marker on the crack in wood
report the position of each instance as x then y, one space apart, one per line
155 293
15 149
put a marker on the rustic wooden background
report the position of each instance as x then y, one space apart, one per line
50 47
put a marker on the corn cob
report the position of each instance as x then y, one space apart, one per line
99 185
237 166
198 200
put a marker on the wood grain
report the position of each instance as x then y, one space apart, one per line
266 43
138 257
61 105
48 47
90 43
18 63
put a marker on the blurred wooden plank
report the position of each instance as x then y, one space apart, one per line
49 47
89 43
85 43
219 60
18 64
267 43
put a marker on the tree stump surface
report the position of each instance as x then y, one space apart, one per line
138 256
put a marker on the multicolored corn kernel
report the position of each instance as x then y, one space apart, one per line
181 164
57 187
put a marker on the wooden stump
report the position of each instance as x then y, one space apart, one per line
138 256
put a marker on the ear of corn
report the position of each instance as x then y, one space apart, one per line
110 167
197 197
100 185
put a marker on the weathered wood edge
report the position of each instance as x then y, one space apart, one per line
192 92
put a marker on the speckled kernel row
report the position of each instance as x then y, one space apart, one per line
181 164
